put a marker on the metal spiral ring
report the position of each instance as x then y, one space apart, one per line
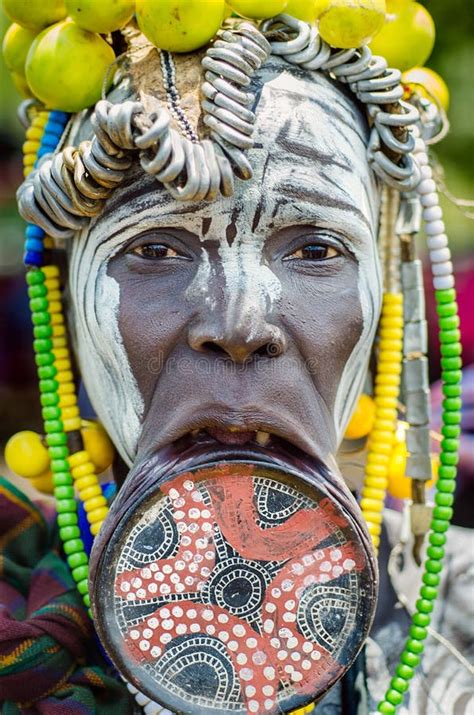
230 65
63 191
372 82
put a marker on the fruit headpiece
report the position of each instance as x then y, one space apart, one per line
200 158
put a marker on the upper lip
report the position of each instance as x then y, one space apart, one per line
253 420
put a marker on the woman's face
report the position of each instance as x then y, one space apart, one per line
253 314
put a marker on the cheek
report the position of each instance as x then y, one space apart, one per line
151 322
324 317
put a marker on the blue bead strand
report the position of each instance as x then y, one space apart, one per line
34 235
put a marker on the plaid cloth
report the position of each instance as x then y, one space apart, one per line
48 662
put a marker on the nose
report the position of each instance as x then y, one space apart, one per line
239 337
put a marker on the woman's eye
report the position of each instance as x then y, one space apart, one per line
314 252
155 251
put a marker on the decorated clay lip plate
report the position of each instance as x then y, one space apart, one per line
240 584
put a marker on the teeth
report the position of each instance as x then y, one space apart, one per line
262 438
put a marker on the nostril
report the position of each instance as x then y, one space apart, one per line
214 347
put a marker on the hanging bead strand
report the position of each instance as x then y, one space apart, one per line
60 411
387 380
451 375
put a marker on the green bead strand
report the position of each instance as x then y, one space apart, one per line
452 431
442 513
56 437
437 539
431 579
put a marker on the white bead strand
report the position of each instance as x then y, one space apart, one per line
439 253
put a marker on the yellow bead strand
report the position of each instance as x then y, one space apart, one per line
90 493
33 141
386 394
82 468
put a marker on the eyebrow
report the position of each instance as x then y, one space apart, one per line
312 198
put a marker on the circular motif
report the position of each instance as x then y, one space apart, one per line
236 588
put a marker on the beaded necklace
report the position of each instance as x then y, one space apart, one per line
73 469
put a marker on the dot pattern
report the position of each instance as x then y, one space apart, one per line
250 608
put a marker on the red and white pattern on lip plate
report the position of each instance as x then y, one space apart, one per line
280 654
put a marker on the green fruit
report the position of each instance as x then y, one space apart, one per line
16 43
257 9
21 85
35 14
407 38
302 9
66 66
350 23
179 25
100 15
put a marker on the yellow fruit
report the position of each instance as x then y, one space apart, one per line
44 483
179 25
362 419
21 85
98 444
26 455
257 9
407 37
16 43
66 66
427 83
399 483
350 23
100 15
35 14
302 9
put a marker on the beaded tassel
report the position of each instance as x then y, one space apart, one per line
56 437
42 138
451 375
31 146
387 380
58 398
386 393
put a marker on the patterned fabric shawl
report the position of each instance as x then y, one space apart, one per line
48 663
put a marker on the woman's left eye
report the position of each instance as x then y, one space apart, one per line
314 252
155 251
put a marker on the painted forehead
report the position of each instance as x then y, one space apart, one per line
309 166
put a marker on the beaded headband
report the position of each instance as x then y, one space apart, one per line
66 188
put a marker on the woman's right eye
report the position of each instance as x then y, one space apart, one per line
155 251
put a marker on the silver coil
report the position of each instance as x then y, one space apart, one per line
389 151
66 189
229 66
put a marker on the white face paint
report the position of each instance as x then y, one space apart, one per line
289 187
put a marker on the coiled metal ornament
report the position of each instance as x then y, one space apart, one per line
68 188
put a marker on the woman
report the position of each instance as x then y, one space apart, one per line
224 290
